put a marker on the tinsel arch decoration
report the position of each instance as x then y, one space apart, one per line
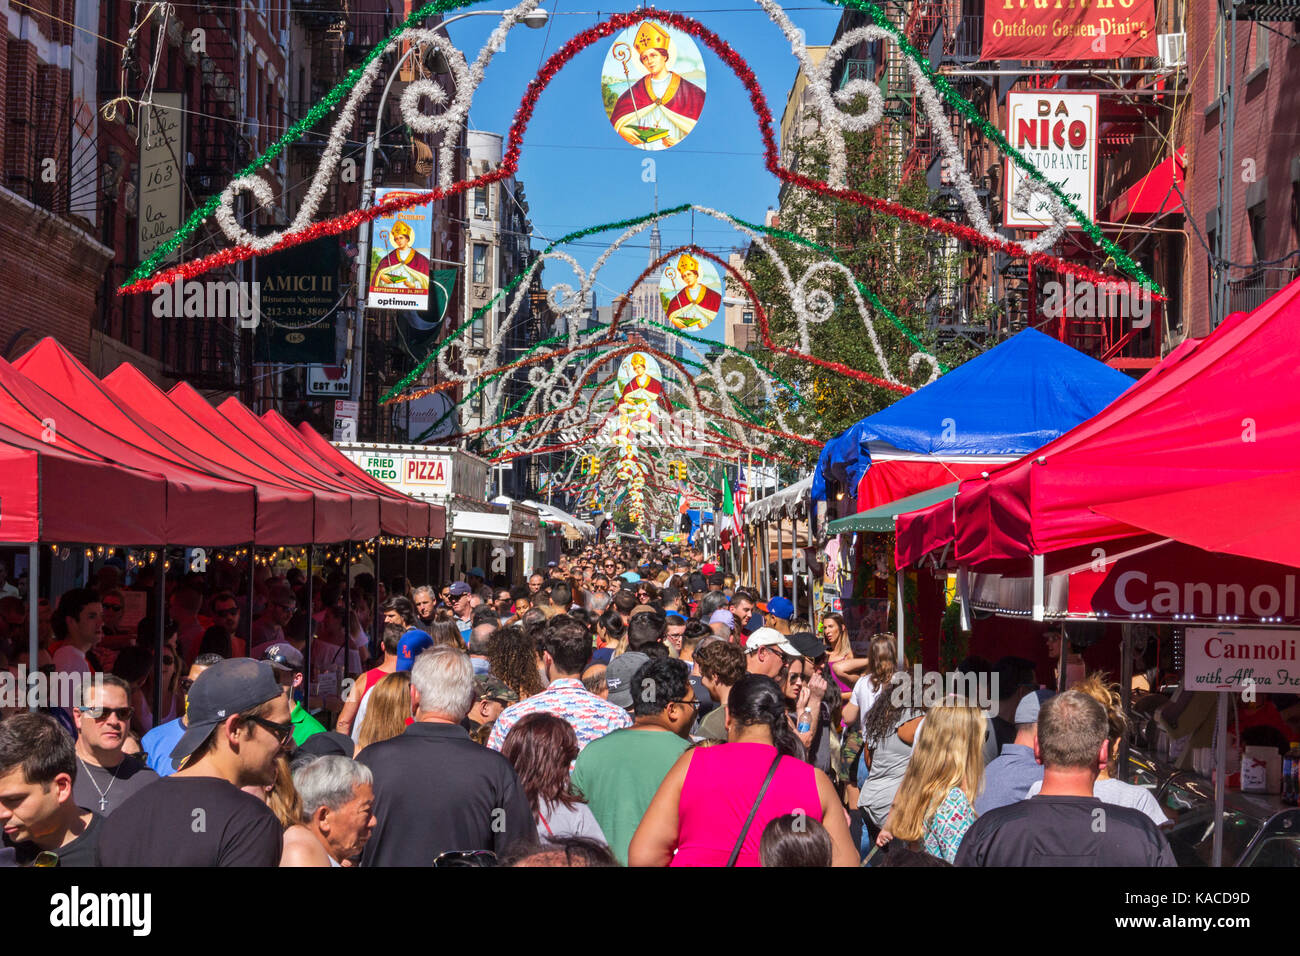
358 82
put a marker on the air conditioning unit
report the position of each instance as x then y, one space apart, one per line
1173 49
480 211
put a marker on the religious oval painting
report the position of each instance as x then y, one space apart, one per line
640 392
691 291
652 85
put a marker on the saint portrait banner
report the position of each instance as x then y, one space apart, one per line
652 85
691 290
399 256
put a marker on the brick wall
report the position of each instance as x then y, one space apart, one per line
51 273
1266 107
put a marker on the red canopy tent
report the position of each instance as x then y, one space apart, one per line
365 505
332 509
347 467
283 516
1222 411
198 508
399 514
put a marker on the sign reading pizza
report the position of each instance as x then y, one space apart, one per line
1068 29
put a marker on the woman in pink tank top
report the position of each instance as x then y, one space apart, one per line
702 806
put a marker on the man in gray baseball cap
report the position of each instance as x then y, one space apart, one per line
618 677
237 724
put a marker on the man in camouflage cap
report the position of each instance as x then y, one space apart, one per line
491 696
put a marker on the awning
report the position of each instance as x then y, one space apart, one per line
790 502
881 518
485 525
1153 195
555 515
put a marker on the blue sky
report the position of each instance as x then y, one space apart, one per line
577 172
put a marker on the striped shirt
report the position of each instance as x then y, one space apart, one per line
590 716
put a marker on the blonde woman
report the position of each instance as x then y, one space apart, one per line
934 806
389 710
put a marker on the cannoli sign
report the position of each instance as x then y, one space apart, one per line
1234 659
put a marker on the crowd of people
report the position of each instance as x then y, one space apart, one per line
621 707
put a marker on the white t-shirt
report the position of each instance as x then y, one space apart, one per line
863 697
1121 794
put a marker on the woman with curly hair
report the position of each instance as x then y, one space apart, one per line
541 747
888 731
512 656
1107 788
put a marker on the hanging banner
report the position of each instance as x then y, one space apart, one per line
399 256
1036 30
1057 132
161 154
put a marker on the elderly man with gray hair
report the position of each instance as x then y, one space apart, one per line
337 809
425 601
436 791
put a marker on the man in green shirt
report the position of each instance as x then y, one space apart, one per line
288 663
619 773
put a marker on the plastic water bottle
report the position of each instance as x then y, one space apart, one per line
805 720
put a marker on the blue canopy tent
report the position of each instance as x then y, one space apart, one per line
693 515
998 406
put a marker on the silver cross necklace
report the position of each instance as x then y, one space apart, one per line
103 794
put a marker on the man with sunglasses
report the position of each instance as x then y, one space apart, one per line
106 776
289 665
238 723
225 613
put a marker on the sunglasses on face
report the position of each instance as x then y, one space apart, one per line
100 714
111 607
280 732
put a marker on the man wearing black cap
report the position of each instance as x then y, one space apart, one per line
236 725
287 661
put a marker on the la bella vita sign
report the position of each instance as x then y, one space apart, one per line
1232 659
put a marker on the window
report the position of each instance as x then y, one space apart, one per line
480 262
747 317
1261 47
1255 215
480 202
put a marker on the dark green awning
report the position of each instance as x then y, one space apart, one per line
881 517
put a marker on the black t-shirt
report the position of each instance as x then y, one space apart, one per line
113 786
80 852
191 821
1064 831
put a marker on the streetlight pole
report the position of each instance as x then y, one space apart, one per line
533 20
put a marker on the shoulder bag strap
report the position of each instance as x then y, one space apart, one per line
749 820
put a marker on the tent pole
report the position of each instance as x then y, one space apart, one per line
1220 775
378 622
428 555
406 561
900 576
311 635
160 627
794 566
252 562
347 606
1126 685
780 556
1038 589
33 625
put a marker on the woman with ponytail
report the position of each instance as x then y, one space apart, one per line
712 807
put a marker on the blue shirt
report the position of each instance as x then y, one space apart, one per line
466 628
158 744
1008 777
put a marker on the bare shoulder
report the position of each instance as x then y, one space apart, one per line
301 848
